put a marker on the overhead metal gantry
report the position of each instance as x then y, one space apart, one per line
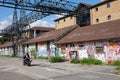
39 9
47 6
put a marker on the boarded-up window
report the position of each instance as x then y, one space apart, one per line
63 50
100 49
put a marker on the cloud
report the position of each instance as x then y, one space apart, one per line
59 16
56 17
8 21
102 0
42 23
5 22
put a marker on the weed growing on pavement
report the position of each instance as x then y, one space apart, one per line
54 59
87 61
41 57
116 63
75 61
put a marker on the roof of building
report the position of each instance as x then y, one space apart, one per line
85 4
101 31
78 7
7 44
64 17
43 28
52 35
103 2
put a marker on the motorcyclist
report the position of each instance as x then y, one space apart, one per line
26 59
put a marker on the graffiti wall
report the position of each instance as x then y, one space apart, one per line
32 50
112 51
20 50
62 50
6 51
42 50
105 51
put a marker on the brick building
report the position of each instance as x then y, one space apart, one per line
105 11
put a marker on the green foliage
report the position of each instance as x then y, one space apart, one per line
13 55
90 61
75 61
116 63
4 39
86 61
118 68
41 57
98 62
33 53
54 59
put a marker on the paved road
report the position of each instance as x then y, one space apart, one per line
12 69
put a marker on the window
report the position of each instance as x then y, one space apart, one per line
108 4
71 17
97 20
96 9
64 19
72 45
109 17
100 49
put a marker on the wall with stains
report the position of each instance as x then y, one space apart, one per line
106 51
42 50
32 50
6 51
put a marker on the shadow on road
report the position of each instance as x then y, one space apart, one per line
35 65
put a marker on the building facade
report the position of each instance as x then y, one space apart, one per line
81 17
100 41
36 31
105 11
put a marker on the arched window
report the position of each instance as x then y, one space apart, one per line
108 4
97 20
109 17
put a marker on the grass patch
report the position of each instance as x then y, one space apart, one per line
116 63
41 57
87 61
75 61
55 59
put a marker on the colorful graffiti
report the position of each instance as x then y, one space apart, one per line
32 51
110 51
42 50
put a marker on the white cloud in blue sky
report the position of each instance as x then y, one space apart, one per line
46 22
42 23
5 22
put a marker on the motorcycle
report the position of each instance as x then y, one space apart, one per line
27 61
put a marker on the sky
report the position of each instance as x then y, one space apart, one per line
6 16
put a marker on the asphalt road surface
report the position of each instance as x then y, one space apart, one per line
12 69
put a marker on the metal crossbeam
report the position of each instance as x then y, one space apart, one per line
49 6
39 8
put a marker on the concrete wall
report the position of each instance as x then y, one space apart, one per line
68 22
106 51
42 49
103 12
6 51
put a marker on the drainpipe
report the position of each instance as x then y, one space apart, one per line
35 34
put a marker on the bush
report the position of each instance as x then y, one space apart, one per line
54 59
90 61
116 63
13 55
42 57
98 62
75 61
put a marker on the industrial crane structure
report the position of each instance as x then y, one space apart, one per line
39 9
